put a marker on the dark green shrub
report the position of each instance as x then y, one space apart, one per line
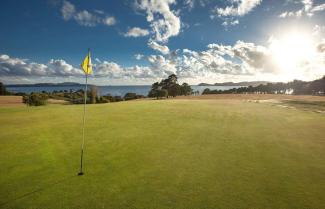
35 99
118 99
102 99
130 96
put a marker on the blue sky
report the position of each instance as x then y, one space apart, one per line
141 41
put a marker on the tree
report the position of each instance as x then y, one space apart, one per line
174 90
3 90
154 90
172 79
170 85
163 93
186 89
206 91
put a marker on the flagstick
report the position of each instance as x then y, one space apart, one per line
83 126
83 130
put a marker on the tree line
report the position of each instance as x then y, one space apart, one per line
169 87
3 90
296 87
73 97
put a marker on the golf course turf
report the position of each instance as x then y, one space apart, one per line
163 154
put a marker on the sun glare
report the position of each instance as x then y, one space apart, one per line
291 51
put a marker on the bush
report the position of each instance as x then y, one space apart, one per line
35 99
186 89
103 99
206 91
118 98
109 98
130 96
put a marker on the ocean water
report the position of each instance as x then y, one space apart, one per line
104 90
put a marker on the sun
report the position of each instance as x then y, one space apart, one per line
291 51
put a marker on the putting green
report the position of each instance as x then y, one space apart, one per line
163 154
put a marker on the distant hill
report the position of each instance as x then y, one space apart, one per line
244 83
45 84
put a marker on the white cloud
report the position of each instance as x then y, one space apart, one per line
249 59
241 60
318 30
138 56
238 8
13 68
230 22
162 65
212 61
136 32
68 10
109 21
308 9
85 18
10 66
161 48
163 21
101 12
114 71
318 8
62 68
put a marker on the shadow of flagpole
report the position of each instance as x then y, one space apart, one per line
37 190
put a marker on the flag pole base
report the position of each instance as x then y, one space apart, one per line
80 173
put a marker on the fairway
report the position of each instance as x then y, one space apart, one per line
163 154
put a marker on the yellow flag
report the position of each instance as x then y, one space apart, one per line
86 64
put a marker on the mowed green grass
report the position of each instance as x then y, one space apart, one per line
163 154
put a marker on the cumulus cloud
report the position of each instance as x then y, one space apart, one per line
10 66
62 68
159 63
216 61
136 32
161 48
85 18
257 57
238 8
308 9
163 21
115 71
